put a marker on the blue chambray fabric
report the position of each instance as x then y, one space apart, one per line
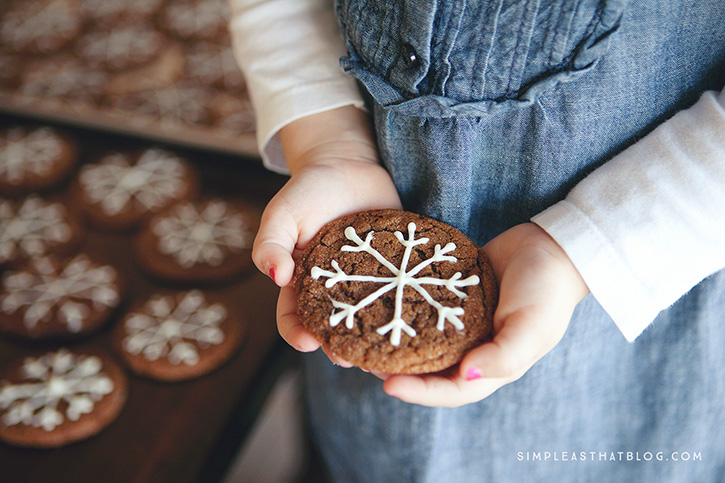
487 112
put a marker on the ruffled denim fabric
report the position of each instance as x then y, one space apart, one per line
486 113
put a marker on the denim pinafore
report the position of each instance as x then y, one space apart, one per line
486 113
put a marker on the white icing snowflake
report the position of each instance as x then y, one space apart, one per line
53 383
196 18
201 234
31 229
165 328
45 24
45 290
114 182
120 48
402 277
26 153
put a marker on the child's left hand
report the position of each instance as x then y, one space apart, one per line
539 288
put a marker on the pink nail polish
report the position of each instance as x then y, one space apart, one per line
472 374
271 274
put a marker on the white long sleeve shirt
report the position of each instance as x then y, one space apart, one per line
642 230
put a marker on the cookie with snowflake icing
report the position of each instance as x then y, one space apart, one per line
178 336
122 189
40 27
59 397
198 241
395 292
53 297
120 11
35 227
33 158
196 19
121 47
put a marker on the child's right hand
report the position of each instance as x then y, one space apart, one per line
334 171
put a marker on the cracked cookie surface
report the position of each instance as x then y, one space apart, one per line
395 292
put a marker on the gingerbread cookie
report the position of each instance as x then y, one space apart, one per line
34 227
214 64
120 11
51 297
196 19
59 397
66 80
173 337
395 292
197 241
173 107
33 159
121 189
121 48
40 27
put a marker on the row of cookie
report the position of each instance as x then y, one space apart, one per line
66 395
118 192
190 241
46 26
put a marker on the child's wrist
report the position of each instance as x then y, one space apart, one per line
330 137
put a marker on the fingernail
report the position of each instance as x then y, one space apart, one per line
473 373
271 274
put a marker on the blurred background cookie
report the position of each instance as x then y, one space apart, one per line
40 27
51 297
197 241
34 227
33 159
122 189
173 337
59 397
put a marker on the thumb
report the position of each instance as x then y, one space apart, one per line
273 247
515 348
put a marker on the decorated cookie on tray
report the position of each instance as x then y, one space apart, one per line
180 105
196 19
65 81
198 241
114 12
121 47
58 297
59 397
178 336
395 292
123 189
34 227
33 158
40 27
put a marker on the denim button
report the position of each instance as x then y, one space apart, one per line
410 57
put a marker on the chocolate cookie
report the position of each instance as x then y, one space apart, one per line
197 241
174 337
51 297
59 397
33 159
121 48
122 189
34 227
395 292
40 27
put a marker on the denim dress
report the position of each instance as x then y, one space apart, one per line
486 113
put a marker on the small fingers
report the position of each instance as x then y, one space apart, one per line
289 325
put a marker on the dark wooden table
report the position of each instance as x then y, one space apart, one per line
167 432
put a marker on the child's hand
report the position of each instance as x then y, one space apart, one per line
539 288
335 171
